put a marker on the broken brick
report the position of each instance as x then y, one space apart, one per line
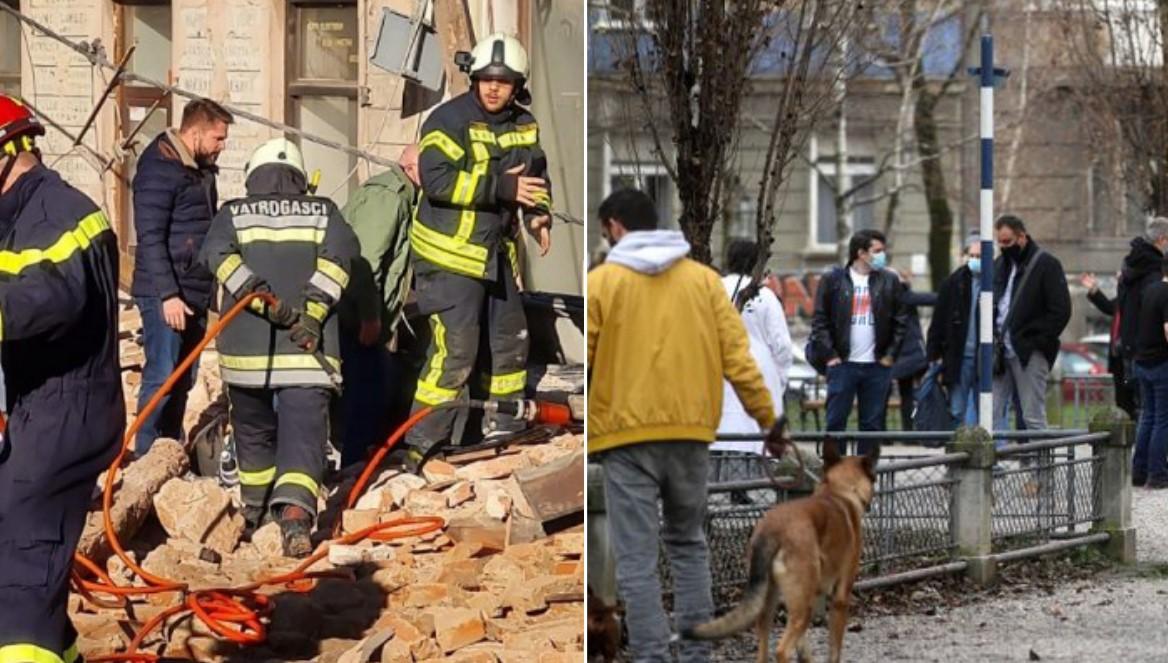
455 628
460 493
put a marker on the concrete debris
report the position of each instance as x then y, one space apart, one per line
199 511
490 586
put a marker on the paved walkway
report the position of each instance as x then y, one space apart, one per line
1117 616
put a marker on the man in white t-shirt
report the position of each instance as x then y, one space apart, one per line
856 334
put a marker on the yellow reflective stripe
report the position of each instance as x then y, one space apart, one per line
259 234
482 135
27 654
258 478
447 243
513 256
481 153
466 224
316 310
71 241
464 188
519 138
439 357
71 654
298 479
432 394
542 200
258 305
228 267
480 168
274 362
502 385
333 271
444 143
447 260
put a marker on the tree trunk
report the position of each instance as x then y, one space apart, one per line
933 176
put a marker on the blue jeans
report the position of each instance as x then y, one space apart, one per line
963 397
871 383
366 408
1150 460
165 350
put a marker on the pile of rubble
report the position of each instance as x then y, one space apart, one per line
501 581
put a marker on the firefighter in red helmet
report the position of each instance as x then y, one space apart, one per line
58 346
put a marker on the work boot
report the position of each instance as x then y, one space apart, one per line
296 530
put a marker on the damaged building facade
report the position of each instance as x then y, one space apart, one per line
305 64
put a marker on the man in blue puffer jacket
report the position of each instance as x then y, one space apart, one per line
175 199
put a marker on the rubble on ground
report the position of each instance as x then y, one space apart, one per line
500 582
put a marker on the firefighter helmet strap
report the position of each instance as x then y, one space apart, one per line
9 164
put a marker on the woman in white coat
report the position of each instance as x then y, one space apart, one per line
770 345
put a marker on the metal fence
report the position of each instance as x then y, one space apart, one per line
1044 490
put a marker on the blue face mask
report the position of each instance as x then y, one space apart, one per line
879 260
974 265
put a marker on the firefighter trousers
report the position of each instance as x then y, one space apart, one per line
280 436
457 306
59 439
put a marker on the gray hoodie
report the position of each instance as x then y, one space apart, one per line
649 251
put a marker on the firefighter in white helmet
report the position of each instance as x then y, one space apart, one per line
279 362
483 174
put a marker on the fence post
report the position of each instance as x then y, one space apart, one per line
1113 489
601 564
973 502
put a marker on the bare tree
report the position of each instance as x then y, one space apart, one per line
690 65
1117 50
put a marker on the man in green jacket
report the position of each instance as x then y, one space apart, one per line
379 213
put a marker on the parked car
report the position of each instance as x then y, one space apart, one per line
1080 367
1100 343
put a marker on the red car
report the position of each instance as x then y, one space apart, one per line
1080 367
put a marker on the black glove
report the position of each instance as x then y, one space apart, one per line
282 315
306 333
254 284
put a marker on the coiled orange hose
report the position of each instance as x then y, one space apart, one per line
235 614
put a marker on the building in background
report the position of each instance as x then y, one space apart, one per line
1049 169
302 63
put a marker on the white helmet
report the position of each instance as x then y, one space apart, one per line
499 56
277 150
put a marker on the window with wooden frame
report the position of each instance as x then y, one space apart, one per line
322 72
145 110
9 51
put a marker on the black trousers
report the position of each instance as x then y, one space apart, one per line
59 440
458 305
280 436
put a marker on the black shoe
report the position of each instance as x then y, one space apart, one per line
414 461
1138 480
296 531
1156 484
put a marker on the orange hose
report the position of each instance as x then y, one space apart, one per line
234 614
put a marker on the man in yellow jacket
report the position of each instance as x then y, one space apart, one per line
661 337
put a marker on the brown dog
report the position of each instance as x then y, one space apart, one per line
604 636
800 550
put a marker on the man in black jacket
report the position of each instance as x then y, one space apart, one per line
1141 268
175 199
1032 306
953 337
857 332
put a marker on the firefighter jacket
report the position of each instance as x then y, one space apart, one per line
464 217
302 248
58 292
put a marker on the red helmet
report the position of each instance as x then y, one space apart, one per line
17 121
